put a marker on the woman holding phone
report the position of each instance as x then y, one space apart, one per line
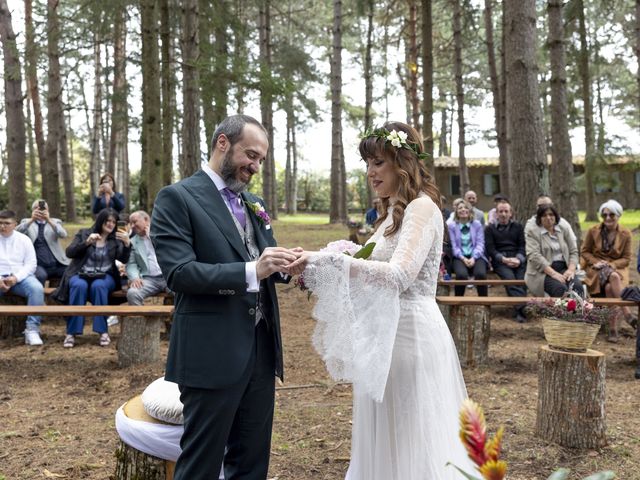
107 196
93 273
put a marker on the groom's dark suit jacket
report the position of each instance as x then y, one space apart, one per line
203 258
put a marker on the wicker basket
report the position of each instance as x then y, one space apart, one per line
569 336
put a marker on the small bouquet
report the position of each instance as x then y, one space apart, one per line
341 246
570 308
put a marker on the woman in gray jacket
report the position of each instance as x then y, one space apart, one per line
552 257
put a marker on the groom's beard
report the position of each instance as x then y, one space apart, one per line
229 173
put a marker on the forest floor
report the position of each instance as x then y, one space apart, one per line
57 405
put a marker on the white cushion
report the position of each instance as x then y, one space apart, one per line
161 400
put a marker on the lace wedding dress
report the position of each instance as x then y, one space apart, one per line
378 326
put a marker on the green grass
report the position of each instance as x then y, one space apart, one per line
630 219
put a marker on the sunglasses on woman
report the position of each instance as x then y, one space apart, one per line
608 215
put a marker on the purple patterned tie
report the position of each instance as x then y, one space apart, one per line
236 206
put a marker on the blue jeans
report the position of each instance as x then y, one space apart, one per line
98 292
31 289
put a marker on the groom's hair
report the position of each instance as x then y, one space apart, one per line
232 127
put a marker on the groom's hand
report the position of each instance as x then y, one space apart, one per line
272 260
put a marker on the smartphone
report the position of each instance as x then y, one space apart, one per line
42 205
121 225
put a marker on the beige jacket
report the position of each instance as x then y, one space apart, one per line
539 251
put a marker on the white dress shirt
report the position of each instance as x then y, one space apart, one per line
17 256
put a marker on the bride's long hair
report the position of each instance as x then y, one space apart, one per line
412 173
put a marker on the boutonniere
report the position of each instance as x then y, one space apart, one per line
259 212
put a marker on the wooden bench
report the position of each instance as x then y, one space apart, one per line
469 320
140 332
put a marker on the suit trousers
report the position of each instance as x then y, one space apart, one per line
237 418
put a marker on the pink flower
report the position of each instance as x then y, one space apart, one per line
571 305
588 307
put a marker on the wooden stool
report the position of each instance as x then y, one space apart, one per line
571 395
470 327
132 464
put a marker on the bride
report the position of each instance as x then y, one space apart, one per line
378 324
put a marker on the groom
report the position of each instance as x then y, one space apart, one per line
216 249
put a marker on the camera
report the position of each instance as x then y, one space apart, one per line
42 205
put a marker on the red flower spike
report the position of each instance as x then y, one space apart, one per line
473 431
494 445
494 470
571 305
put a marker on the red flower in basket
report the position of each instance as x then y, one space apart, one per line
571 305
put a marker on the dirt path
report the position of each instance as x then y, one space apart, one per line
57 406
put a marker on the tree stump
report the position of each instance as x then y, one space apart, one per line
12 326
470 327
139 340
571 395
132 464
444 291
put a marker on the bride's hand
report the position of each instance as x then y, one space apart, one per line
297 266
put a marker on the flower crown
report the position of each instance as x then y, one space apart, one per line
397 138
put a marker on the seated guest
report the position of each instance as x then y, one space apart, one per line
492 215
552 256
471 197
93 274
467 243
107 196
17 266
45 233
143 271
454 206
505 247
374 212
563 225
605 257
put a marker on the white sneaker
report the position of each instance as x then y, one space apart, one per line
32 337
112 320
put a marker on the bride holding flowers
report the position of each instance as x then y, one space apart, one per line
378 324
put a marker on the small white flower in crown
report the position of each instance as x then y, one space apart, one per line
397 139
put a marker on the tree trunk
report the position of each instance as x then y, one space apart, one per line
16 136
497 94
33 185
31 60
465 183
191 105
151 169
139 340
571 396
413 64
290 179
66 170
337 182
589 135
368 71
240 53
563 187
503 133
95 163
427 83
132 464
529 176
119 103
266 107
443 150
220 65
470 327
49 164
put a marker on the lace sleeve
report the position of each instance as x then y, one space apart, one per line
358 305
